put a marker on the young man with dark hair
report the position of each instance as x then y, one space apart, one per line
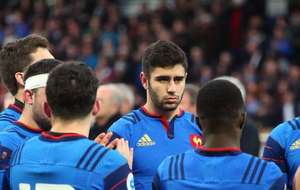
14 58
65 157
159 128
32 120
219 163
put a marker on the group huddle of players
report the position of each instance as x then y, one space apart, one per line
44 144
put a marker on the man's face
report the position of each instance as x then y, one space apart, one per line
186 101
41 53
166 86
39 116
107 105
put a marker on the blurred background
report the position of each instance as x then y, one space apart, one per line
257 41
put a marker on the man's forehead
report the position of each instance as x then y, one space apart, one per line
177 70
41 53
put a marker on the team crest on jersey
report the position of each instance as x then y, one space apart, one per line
295 145
145 140
196 140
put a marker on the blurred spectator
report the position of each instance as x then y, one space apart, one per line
189 98
110 103
127 98
256 40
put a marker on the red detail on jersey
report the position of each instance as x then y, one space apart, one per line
15 107
224 149
59 136
28 127
196 140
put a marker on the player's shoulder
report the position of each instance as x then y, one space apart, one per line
108 160
173 166
282 131
188 117
288 126
258 171
7 117
132 118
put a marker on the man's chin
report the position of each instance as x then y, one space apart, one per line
170 107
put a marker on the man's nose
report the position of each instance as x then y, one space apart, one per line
171 86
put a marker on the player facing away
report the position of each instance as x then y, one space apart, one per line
159 128
32 120
219 163
14 58
64 158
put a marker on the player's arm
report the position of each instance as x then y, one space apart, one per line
274 149
119 176
279 184
120 129
119 179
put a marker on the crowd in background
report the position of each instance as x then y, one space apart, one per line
241 38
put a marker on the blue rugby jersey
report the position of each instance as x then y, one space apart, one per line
68 161
10 139
218 168
10 115
283 147
153 138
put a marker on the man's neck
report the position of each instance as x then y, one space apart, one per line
19 95
27 119
79 126
220 141
168 114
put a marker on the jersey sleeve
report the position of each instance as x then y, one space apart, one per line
121 179
274 177
116 172
274 149
121 129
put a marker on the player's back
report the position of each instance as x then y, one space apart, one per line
212 170
9 116
67 161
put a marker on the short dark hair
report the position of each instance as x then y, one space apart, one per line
71 90
41 67
15 57
220 100
163 54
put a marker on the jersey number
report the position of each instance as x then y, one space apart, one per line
45 186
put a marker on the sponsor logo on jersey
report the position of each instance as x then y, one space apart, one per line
145 140
196 140
295 145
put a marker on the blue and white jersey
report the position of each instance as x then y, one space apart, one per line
9 116
68 161
153 138
10 140
283 148
215 169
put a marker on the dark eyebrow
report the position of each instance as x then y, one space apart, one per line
178 77
163 77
